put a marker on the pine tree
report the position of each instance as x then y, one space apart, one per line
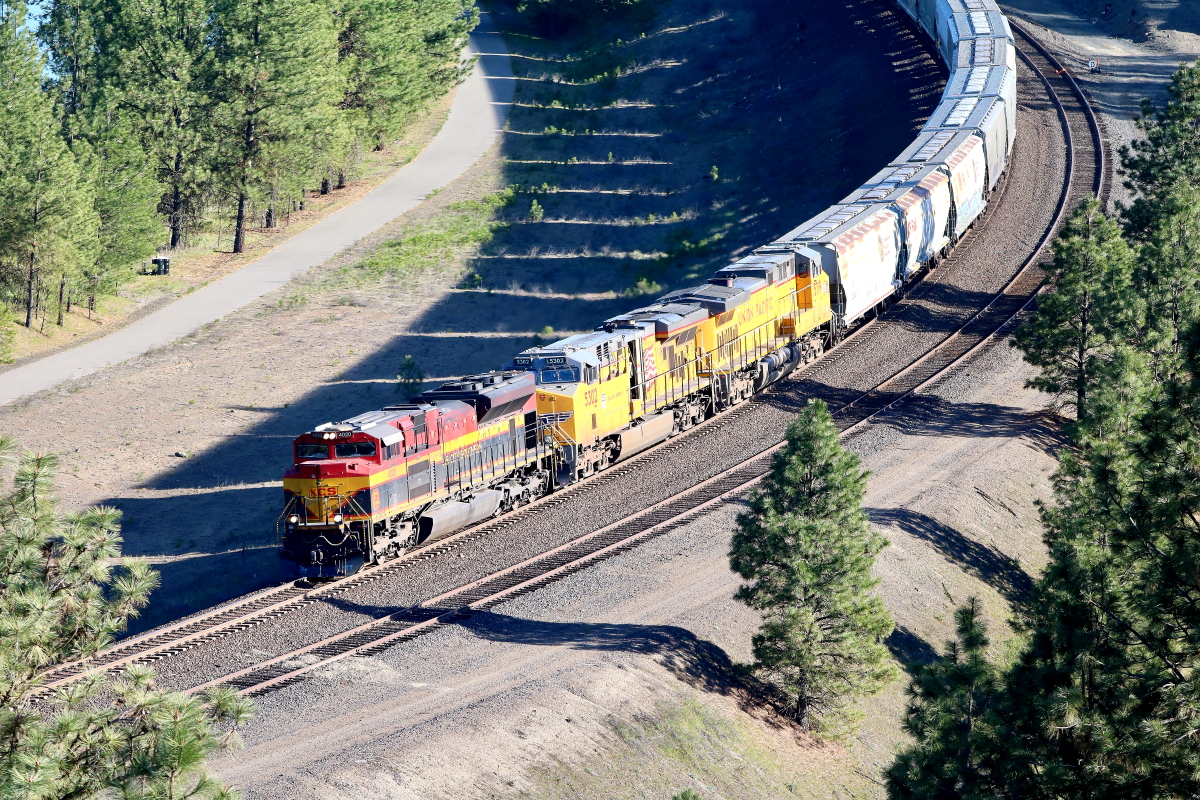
278 84
1094 706
62 598
1167 279
950 702
397 56
1088 311
1168 156
47 223
126 191
806 548
409 378
162 76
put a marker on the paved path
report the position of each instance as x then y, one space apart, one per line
476 117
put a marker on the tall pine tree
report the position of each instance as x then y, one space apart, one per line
1167 278
47 223
397 56
163 73
1088 311
806 549
278 82
1168 156
127 191
949 716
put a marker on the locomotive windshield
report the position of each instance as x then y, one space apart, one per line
312 451
354 449
558 376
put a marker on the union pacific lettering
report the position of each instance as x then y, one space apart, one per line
760 305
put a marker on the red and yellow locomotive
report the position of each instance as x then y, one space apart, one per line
381 481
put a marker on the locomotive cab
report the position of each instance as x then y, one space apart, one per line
583 395
329 505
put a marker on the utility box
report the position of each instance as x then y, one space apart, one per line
160 266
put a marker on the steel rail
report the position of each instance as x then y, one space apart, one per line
1101 183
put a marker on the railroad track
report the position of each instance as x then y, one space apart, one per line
1086 172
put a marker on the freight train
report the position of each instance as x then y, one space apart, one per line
378 483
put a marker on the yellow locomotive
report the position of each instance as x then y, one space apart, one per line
644 376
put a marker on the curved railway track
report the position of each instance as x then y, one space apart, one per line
1086 173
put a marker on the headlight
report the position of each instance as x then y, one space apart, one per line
337 518
294 518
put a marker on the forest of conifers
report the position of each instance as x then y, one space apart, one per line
131 125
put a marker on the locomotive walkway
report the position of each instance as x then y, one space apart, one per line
478 113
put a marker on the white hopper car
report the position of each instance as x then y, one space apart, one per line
912 212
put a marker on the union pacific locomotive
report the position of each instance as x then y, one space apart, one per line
375 484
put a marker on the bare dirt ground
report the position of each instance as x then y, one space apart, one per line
693 94
1166 33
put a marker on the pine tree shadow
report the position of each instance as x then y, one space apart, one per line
910 649
697 662
932 415
991 566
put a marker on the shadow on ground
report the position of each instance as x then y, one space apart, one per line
662 154
700 663
910 649
994 568
929 415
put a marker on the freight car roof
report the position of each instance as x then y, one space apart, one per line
828 225
892 183
987 51
965 113
934 147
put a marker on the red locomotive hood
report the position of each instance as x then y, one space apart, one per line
328 468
